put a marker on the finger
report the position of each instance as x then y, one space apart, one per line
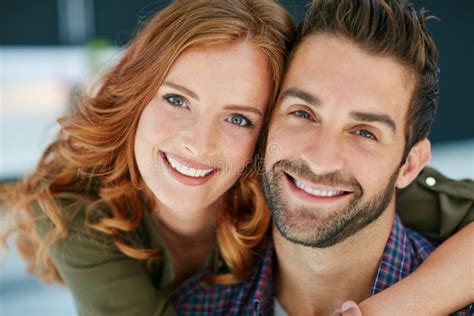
337 313
350 308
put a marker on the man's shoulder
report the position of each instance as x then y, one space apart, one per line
404 251
411 247
420 247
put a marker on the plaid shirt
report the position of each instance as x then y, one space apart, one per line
404 252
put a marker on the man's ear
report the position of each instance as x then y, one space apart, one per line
417 159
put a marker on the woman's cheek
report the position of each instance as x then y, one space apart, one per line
161 125
240 149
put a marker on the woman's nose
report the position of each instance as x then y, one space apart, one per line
201 138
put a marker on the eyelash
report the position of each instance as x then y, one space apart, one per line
305 115
302 114
169 97
370 137
248 123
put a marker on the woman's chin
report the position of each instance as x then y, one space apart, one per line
186 209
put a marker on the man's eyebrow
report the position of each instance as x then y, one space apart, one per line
245 108
376 117
176 86
300 94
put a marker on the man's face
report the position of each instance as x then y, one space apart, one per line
336 141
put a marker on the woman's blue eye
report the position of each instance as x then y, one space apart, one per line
176 100
366 134
240 120
302 114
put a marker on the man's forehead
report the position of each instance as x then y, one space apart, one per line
329 63
318 51
332 72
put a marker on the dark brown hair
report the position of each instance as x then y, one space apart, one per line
391 28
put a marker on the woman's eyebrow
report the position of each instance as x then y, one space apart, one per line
246 108
183 89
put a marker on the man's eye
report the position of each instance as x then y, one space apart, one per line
366 134
176 100
302 114
240 120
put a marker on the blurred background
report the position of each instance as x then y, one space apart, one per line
50 50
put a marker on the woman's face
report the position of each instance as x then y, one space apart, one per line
198 133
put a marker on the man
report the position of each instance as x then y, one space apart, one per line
350 127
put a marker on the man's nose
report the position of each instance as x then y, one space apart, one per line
324 152
201 138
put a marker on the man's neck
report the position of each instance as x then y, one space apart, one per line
316 281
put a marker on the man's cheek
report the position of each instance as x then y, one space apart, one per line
281 142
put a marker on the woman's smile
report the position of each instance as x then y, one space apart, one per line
186 172
197 136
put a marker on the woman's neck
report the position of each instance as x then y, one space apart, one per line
190 240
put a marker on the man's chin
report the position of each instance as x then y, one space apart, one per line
314 230
316 214
307 239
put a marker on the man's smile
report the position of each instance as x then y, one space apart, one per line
312 192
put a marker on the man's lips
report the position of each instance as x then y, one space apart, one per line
316 190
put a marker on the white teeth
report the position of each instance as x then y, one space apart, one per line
316 192
190 172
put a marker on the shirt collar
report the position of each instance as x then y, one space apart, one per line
396 262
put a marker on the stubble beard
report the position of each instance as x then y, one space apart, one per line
307 226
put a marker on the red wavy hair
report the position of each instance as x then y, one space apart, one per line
93 154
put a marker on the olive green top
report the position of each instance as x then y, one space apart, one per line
101 278
104 281
435 205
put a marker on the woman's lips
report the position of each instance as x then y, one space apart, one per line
186 172
187 163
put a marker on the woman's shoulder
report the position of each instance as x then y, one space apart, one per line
77 218
67 211
66 219
92 266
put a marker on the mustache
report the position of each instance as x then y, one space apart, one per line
302 170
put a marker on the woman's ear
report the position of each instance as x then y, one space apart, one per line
417 159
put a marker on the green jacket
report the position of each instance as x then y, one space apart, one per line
435 205
104 281
101 278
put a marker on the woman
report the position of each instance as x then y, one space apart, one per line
153 179
160 156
